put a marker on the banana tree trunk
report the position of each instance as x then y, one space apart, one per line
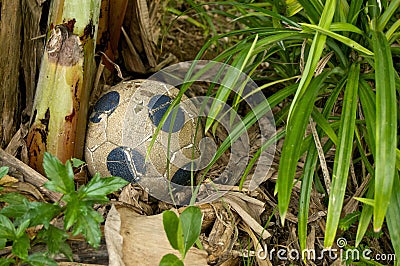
59 114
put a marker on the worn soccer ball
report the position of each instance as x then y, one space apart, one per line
122 126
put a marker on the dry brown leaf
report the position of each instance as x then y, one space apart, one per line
8 180
249 209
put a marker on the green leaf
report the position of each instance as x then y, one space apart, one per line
98 187
37 212
21 246
61 176
369 202
191 219
386 126
88 223
77 163
349 220
343 154
7 229
40 259
173 229
315 53
345 40
72 210
41 213
393 216
170 260
3 243
294 137
3 171
55 240
6 262
12 198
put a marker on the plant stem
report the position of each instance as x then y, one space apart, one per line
60 109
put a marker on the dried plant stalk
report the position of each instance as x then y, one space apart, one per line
58 122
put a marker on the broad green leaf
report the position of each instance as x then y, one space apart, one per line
386 126
40 259
6 262
191 219
3 242
7 229
345 40
173 229
61 176
40 213
55 240
294 137
72 210
343 155
3 171
12 198
88 223
170 260
20 246
98 187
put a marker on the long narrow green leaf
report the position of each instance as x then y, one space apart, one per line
312 8
315 53
294 137
324 124
305 194
345 40
386 126
393 217
343 155
387 15
367 99
303 107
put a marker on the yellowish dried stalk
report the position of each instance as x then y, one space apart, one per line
66 76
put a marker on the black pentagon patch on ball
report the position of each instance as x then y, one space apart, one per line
106 104
183 175
126 163
158 105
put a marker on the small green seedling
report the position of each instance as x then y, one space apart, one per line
20 214
182 232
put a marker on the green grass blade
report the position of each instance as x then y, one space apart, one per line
342 26
354 10
345 40
343 155
315 52
324 124
312 8
305 193
388 14
386 126
294 137
393 217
